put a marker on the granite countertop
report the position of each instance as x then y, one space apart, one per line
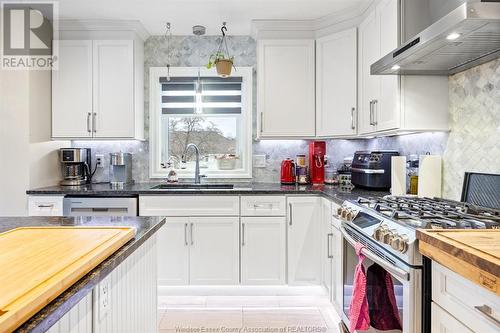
45 318
105 189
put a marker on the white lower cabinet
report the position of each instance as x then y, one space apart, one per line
461 312
214 250
198 251
263 250
173 252
304 262
443 322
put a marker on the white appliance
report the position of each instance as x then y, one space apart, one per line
99 206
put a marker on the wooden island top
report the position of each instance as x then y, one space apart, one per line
474 254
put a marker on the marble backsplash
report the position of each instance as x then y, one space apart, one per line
194 51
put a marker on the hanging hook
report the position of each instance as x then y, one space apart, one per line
223 29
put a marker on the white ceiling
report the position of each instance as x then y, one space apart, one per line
183 14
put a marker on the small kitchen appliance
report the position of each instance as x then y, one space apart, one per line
120 169
75 166
288 172
372 169
317 152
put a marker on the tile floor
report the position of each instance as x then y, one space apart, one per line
246 314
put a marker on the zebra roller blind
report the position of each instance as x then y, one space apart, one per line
218 95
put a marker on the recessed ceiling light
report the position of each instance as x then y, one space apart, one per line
453 36
395 67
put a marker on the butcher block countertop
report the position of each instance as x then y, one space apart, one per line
48 280
474 254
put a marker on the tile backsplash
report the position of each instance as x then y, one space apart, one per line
471 145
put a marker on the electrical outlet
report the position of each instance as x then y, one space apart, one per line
104 298
259 161
99 160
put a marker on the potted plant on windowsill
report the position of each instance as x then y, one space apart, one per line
222 64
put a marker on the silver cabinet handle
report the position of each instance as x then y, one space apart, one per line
262 122
89 114
371 112
46 206
487 312
329 238
375 107
185 234
94 122
192 241
352 118
291 212
263 205
243 234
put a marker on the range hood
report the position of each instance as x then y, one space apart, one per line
467 36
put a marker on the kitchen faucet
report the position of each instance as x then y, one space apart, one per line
197 176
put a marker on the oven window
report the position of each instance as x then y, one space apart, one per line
350 262
363 220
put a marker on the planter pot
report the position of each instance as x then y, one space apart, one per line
224 67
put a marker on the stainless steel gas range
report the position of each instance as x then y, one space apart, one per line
387 229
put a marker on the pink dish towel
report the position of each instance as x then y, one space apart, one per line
359 315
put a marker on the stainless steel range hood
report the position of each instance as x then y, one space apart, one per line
465 37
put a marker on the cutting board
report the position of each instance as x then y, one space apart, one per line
475 254
38 263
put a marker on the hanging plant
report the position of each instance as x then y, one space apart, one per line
223 62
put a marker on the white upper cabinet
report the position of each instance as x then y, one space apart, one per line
113 92
336 71
97 91
71 97
379 96
390 103
285 88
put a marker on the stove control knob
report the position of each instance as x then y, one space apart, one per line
403 244
379 232
351 214
396 242
339 211
388 236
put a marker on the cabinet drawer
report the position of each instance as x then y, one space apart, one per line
41 205
443 322
476 307
263 206
200 205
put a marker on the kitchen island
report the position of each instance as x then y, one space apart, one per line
465 278
120 291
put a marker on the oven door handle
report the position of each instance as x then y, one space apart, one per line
402 274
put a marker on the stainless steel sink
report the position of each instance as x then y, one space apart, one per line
192 186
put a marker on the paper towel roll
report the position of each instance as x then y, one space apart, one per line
429 176
398 175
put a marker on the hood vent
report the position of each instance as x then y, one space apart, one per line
466 37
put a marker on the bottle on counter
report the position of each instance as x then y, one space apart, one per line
412 171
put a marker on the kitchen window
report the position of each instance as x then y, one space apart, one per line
192 105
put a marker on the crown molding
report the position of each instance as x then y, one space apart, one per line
104 25
303 29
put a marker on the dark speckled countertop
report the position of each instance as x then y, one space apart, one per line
45 318
331 192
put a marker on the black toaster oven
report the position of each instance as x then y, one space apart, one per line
372 169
